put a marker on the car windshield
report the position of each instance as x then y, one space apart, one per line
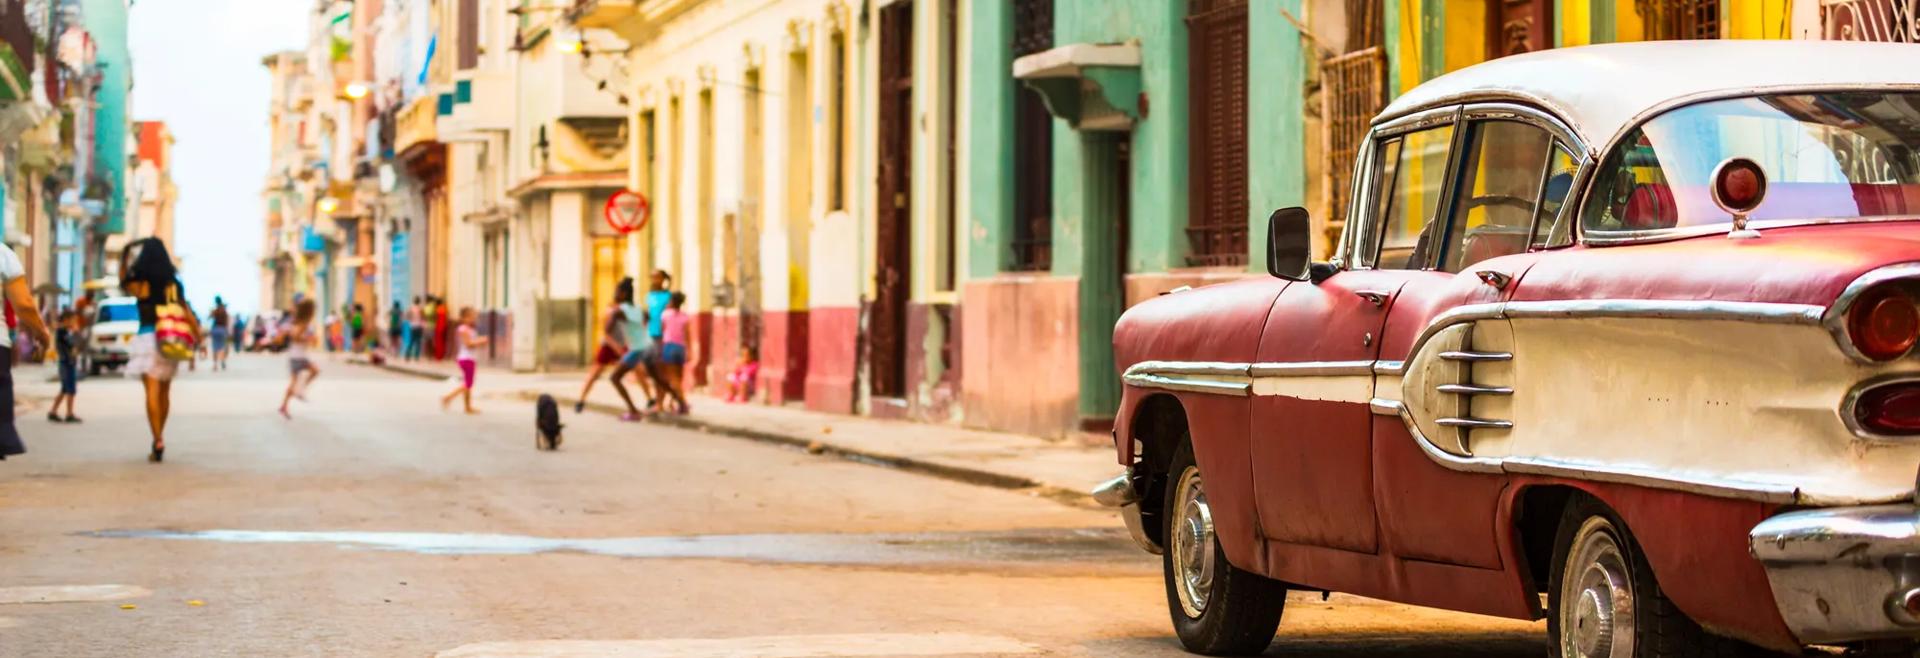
1826 156
119 313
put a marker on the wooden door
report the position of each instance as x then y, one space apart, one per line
1518 26
609 256
887 326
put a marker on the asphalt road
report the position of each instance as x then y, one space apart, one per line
375 524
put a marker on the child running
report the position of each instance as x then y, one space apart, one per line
299 334
66 344
673 352
613 341
465 339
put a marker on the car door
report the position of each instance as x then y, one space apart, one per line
1511 172
1313 376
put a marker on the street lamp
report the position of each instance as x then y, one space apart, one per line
357 90
328 205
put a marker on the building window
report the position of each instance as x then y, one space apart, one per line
1353 91
837 141
1217 160
1032 146
1680 19
469 37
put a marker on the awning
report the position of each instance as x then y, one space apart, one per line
1093 86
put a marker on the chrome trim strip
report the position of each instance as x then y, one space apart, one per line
1849 416
1446 459
1717 487
1766 493
1678 309
1146 375
1475 423
1312 369
1190 385
1470 389
1835 319
1476 356
1212 368
1384 407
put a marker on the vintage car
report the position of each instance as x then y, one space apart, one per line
1620 336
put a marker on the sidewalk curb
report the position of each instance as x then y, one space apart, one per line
964 474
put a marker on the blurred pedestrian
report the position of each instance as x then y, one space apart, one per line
416 328
67 349
239 335
442 329
220 333
674 347
640 355
357 327
467 338
23 307
299 336
613 340
148 274
396 330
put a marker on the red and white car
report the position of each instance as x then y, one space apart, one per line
1619 336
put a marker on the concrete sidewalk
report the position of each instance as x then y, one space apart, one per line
1064 470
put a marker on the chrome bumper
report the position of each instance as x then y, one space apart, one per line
1119 492
1846 573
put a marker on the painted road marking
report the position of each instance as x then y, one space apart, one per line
778 646
70 593
1105 546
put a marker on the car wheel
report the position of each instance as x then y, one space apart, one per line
1603 601
1217 608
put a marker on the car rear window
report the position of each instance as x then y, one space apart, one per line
119 313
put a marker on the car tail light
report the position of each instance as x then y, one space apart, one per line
1883 324
1890 409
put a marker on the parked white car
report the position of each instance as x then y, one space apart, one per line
114 326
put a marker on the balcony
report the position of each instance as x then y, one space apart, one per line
603 13
16 52
482 102
417 123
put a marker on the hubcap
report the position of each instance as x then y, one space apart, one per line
1596 597
1193 553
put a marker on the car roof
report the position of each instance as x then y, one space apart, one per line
1602 90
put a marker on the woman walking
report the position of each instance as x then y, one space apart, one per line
299 336
14 276
466 338
613 340
148 274
221 332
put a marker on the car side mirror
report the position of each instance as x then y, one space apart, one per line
1290 244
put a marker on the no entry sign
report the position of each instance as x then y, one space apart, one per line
627 211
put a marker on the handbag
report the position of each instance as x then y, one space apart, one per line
173 328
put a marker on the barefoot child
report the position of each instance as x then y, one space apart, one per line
299 335
465 339
67 345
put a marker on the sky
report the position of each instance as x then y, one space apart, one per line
196 66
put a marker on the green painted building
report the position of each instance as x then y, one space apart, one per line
1119 149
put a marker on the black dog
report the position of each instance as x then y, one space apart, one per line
546 424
